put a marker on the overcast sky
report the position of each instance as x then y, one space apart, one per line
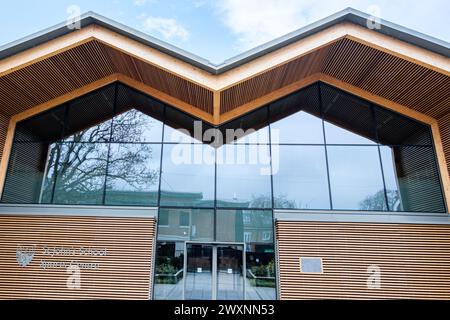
219 29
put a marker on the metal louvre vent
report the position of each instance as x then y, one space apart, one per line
89 110
46 127
394 129
25 172
305 100
252 121
419 183
348 112
129 98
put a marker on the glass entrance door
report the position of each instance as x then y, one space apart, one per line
199 272
214 271
230 273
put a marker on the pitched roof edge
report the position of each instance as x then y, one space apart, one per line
347 15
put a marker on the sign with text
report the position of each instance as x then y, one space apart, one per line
75 257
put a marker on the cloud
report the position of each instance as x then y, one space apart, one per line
255 22
168 28
200 3
140 2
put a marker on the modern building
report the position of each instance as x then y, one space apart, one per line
315 166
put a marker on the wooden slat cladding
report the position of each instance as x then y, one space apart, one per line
161 80
53 77
4 122
390 77
372 70
82 65
124 273
414 260
272 80
375 71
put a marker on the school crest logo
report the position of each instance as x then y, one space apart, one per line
25 254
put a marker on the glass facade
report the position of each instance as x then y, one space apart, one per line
197 233
317 149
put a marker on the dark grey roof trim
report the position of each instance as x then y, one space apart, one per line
347 15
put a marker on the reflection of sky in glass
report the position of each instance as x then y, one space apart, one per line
241 136
185 171
355 174
302 178
300 127
47 185
338 135
239 184
172 135
390 178
390 175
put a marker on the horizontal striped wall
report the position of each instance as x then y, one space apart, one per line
123 273
414 260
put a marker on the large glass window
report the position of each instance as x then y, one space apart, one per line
188 174
300 180
135 126
296 119
355 178
243 176
186 224
391 179
319 148
133 174
232 225
80 173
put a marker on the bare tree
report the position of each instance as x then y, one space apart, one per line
263 201
86 156
378 201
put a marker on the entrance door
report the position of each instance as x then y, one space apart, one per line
214 271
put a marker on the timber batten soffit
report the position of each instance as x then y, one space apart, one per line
340 48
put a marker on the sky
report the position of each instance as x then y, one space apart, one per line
218 29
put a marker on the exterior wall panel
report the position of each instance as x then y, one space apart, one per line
4 122
413 260
444 125
122 273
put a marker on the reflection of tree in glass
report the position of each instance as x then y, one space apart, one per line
378 201
82 165
264 201
134 126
